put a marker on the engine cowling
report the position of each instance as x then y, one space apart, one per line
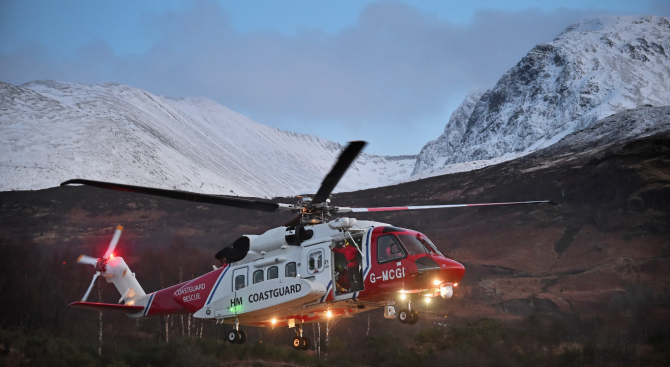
268 241
280 236
297 234
236 251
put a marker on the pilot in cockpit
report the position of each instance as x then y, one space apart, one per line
388 249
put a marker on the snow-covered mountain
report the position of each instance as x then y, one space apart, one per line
593 69
53 131
635 123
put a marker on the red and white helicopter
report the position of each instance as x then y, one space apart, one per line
307 271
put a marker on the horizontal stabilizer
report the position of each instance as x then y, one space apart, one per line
107 307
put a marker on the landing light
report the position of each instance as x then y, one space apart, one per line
427 300
329 313
455 284
437 282
402 296
274 321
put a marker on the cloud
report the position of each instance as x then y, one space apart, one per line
396 67
396 64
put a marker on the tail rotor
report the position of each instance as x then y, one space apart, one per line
95 276
112 244
84 259
100 264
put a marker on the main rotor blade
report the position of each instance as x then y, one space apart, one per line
393 208
182 195
345 160
85 259
115 240
95 276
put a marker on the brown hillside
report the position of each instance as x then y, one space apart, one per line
609 229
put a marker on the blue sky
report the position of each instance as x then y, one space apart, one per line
389 72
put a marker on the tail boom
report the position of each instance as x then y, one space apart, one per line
107 307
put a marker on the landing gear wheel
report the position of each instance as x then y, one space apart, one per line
243 337
297 343
404 316
305 343
233 337
415 318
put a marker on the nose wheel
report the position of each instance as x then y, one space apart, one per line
300 342
237 336
407 315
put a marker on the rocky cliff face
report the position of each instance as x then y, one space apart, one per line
436 152
592 70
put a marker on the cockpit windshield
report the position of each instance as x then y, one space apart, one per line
413 244
431 245
416 244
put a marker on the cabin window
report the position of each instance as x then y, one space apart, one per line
413 245
388 249
273 272
315 261
239 282
291 270
258 276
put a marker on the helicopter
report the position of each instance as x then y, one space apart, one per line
308 270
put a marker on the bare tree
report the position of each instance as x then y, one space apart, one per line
97 284
329 325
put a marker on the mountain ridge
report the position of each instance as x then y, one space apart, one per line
54 131
593 69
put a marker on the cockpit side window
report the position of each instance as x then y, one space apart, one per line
388 249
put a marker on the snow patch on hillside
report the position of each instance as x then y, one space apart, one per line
53 131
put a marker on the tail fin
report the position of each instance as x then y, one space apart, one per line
117 272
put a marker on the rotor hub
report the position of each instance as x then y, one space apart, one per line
312 213
101 265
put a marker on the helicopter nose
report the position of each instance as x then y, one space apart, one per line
452 271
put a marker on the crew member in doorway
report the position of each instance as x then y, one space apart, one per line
341 280
353 273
